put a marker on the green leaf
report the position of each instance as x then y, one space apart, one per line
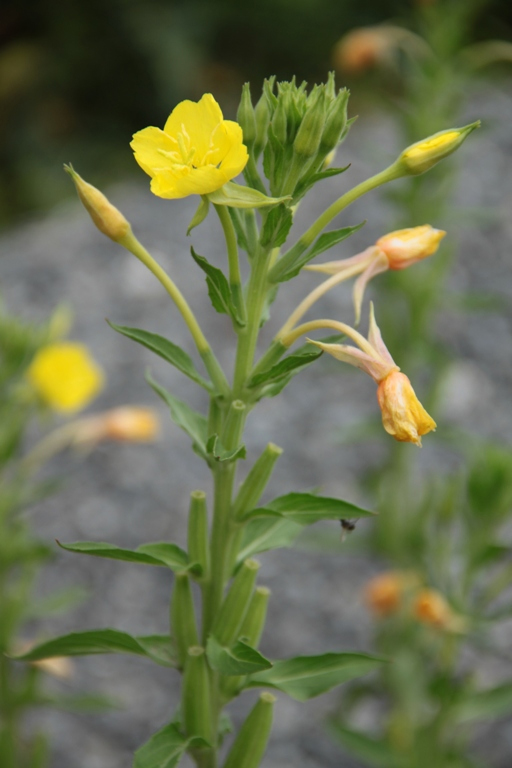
193 423
276 227
487 704
219 453
295 362
156 647
241 659
263 534
239 227
330 239
88 703
308 508
239 196
310 181
165 748
327 240
162 553
305 677
218 289
200 215
371 751
165 349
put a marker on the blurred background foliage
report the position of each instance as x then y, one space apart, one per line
78 78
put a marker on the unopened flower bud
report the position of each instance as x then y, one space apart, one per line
262 120
251 742
403 416
336 122
246 118
234 608
406 246
423 155
106 216
309 135
279 123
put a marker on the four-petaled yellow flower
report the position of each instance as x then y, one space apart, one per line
65 376
196 153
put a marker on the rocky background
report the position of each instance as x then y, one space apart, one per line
133 494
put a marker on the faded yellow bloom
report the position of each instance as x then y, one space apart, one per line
196 153
404 247
109 220
65 376
403 416
362 49
134 424
383 594
430 607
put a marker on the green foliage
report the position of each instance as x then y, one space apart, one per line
240 659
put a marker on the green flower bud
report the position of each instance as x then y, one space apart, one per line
254 621
198 549
226 627
279 122
251 742
254 484
246 118
310 132
196 702
262 120
183 620
423 155
335 123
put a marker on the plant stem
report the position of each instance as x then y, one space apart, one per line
235 281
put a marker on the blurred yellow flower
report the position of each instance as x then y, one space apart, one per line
65 376
430 607
403 416
128 423
383 593
196 153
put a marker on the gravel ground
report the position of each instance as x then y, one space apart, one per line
131 494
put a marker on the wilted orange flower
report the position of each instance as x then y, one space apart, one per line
383 593
128 423
361 49
430 607
407 246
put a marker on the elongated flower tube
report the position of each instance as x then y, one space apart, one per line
403 416
196 153
396 250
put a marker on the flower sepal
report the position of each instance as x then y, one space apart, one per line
238 196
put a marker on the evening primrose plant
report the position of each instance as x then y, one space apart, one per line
283 146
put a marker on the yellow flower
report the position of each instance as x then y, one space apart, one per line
403 416
65 376
404 247
423 155
196 153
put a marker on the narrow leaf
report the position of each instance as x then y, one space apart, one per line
277 226
260 535
102 641
200 215
305 677
308 508
310 181
298 360
193 423
164 749
238 196
330 239
241 659
490 703
218 289
165 349
163 554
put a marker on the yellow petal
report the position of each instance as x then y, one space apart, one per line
149 146
237 156
199 119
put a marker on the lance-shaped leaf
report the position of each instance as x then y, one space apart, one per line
241 659
238 196
486 704
263 534
200 215
219 453
159 648
192 422
304 677
218 289
285 271
165 748
161 553
308 508
310 181
374 752
276 227
165 349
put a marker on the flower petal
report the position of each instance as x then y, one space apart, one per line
149 145
199 119
403 416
